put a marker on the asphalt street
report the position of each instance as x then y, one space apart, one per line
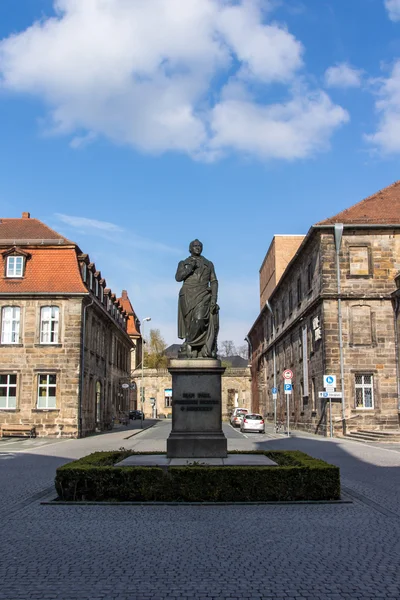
316 551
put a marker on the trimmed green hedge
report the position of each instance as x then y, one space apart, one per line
298 477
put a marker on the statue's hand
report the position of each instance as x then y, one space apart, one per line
214 307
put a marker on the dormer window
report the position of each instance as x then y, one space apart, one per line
97 287
91 280
15 266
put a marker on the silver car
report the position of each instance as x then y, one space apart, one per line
252 422
237 415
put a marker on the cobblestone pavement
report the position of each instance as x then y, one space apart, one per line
315 552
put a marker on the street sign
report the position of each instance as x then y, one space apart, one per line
329 381
288 388
287 374
274 390
329 394
125 386
152 401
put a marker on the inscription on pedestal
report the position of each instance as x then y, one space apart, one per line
195 402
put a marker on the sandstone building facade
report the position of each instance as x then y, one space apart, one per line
335 311
64 345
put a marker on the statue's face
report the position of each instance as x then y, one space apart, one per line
196 248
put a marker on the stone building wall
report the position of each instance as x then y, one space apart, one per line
236 391
28 359
305 313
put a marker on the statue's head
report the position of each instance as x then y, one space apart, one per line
196 247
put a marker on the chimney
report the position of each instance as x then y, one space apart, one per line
26 215
124 295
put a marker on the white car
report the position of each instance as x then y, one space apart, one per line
252 422
237 415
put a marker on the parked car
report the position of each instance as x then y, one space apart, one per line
135 414
236 416
252 422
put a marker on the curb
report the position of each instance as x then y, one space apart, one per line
137 431
271 503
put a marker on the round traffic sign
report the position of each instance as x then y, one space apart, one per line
125 386
287 374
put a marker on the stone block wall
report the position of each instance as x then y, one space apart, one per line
30 358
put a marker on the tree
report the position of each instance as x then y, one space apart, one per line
243 351
155 345
227 348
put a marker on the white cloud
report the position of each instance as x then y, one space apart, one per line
108 230
387 135
288 131
152 74
83 222
393 8
343 75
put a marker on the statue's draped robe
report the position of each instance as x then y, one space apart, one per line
196 324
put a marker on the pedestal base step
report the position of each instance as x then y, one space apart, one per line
232 460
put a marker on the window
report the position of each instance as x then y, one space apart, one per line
300 345
91 280
283 310
359 261
309 277
49 324
84 272
10 324
8 391
364 391
101 294
46 391
299 290
168 397
290 302
97 287
15 265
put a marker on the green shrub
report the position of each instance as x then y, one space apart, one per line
297 477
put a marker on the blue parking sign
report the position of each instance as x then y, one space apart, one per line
288 387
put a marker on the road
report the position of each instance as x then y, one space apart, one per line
314 552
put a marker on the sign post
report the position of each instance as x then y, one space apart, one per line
288 391
274 397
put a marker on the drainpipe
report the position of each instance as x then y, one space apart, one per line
250 351
81 383
396 304
268 305
338 232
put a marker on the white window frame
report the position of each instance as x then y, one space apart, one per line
363 387
10 324
7 386
50 401
15 266
53 322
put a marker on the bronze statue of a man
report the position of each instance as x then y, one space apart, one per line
198 320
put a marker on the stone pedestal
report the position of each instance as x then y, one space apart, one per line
196 409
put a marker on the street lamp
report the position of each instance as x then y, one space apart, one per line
142 386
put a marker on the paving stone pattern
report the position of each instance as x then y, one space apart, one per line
313 552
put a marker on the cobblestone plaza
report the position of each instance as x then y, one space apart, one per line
311 551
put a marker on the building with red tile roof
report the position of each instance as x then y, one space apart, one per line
65 348
335 310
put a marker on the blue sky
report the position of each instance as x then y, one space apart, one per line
134 127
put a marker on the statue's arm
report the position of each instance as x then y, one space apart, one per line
184 270
213 285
